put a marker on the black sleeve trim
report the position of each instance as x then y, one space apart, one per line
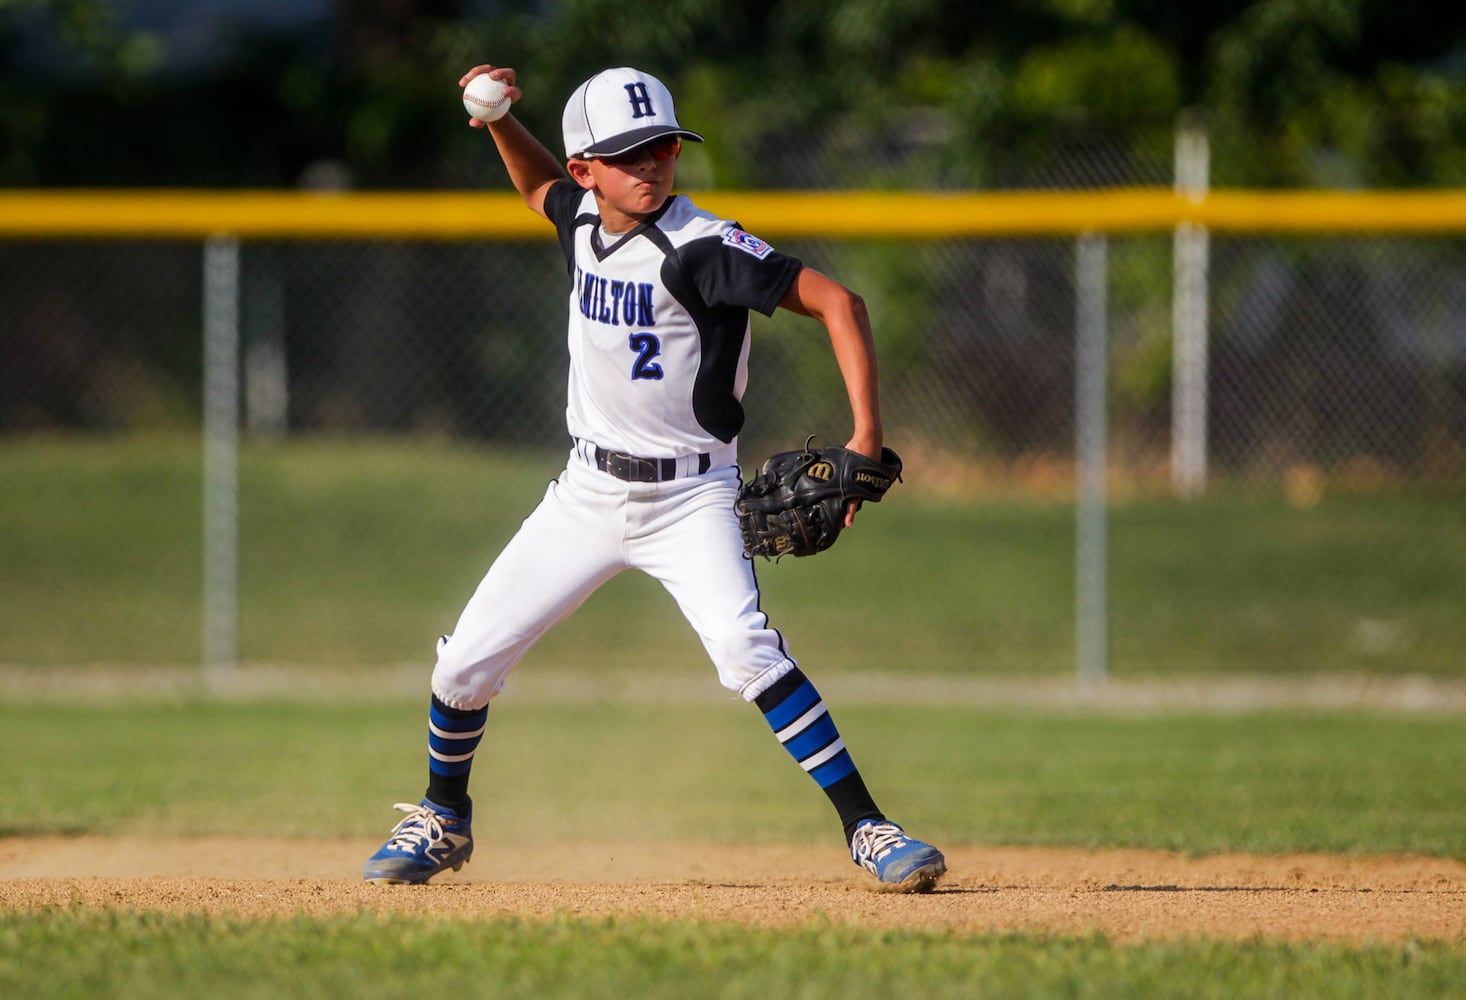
562 202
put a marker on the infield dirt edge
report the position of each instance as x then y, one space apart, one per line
1126 895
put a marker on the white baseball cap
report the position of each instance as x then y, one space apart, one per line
617 110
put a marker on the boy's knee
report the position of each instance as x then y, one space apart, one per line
749 680
464 682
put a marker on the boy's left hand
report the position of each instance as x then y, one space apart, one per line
861 445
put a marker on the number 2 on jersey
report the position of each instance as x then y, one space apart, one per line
647 347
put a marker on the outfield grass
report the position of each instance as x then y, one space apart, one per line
363 552
1271 783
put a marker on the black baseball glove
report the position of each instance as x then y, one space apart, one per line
796 505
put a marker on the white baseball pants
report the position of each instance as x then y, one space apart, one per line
591 526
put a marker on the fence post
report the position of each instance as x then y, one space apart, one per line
1091 561
221 456
1191 260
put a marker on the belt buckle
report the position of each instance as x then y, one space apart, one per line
633 468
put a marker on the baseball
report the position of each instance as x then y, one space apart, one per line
484 98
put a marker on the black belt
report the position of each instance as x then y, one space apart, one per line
631 469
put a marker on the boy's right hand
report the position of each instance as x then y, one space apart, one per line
504 75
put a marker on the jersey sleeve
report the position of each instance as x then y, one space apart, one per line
562 207
739 270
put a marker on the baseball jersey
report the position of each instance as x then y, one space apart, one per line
659 324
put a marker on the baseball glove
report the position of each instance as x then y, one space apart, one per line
796 505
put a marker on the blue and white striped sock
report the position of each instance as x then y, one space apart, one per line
801 722
796 713
453 738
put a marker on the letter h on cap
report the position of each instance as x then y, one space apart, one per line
641 102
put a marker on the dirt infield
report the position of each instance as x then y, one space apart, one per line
1124 894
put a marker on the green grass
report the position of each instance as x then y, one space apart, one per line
363 552
1262 783
357 555
62 954
1360 583
1273 782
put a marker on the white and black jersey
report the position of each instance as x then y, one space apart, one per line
659 323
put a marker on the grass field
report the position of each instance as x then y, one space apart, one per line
127 955
1266 783
1275 782
364 552
355 556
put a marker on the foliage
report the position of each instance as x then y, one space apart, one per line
856 93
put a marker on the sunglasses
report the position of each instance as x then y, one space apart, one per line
659 149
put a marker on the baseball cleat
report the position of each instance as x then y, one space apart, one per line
901 863
429 839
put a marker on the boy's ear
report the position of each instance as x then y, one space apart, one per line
580 173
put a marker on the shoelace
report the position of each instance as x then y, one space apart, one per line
421 825
876 840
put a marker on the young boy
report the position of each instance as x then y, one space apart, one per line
658 339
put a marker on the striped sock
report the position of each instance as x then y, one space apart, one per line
796 713
453 737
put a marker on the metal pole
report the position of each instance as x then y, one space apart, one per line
1091 434
221 456
1189 318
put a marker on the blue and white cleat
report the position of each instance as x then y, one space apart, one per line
430 839
901 863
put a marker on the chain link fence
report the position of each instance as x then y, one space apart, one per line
1324 353
1335 368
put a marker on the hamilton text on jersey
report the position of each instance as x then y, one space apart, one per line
615 302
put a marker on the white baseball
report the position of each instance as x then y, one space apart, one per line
484 98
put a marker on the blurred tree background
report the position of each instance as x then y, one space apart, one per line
841 93
1336 363
844 94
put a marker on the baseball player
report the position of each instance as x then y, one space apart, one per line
658 337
